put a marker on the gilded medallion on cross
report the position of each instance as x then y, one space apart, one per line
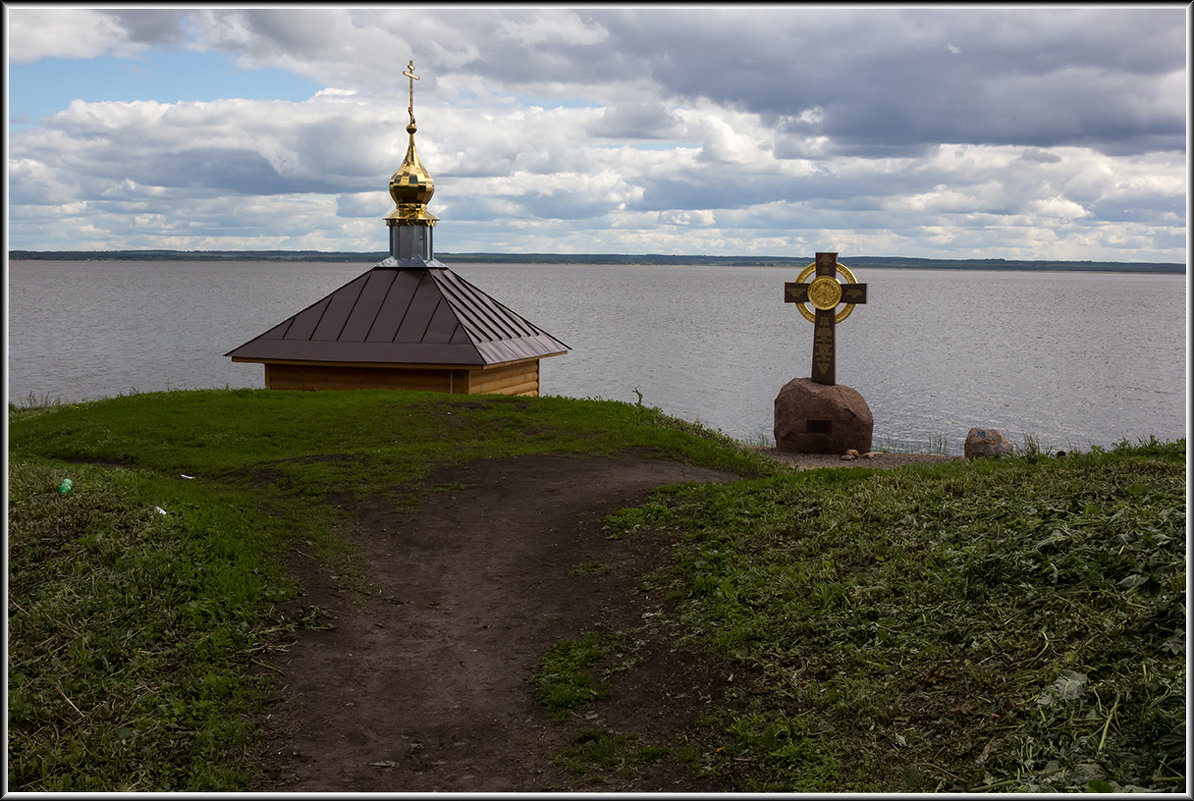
825 293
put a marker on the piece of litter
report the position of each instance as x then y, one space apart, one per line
160 510
184 475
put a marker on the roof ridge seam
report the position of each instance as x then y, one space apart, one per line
464 314
364 279
427 326
327 304
445 295
515 319
380 306
477 307
469 318
410 301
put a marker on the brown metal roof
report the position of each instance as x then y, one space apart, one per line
403 316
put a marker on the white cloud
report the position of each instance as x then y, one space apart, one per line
1060 208
36 33
695 217
945 133
34 183
729 138
941 198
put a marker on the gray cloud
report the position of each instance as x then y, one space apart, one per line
642 119
553 129
163 27
363 204
888 77
883 78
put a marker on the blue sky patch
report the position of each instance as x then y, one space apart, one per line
49 85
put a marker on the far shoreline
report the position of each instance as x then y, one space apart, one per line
608 259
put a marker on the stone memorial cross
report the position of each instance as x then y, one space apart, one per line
825 293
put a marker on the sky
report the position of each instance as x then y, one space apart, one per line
974 131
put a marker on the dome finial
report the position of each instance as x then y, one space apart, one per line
410 73
411 187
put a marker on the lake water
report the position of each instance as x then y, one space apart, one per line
1068 359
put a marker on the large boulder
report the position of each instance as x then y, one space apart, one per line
986 443
816 418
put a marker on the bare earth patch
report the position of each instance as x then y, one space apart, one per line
423 683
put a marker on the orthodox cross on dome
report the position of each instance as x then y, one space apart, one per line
410 73
825 293
411 187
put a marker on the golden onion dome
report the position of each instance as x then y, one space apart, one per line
411 184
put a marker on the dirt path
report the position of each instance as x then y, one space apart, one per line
422 685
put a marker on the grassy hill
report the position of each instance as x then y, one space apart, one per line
1010 625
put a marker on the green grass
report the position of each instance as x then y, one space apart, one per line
596 750
1014 625
369 433
132 633
1007 625
136 638
566 680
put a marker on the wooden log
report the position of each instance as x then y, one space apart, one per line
528 388
301 377
502 382
520 378
501 379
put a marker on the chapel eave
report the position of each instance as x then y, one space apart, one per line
395 315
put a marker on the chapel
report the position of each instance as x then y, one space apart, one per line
408 323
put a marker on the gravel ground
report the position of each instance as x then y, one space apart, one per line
879 460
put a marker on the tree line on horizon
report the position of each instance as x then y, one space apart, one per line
870 262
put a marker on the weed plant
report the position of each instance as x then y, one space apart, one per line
1014 625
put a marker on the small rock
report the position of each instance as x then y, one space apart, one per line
869 455
850 454
986 443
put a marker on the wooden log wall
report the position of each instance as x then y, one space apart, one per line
521 378
309 377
